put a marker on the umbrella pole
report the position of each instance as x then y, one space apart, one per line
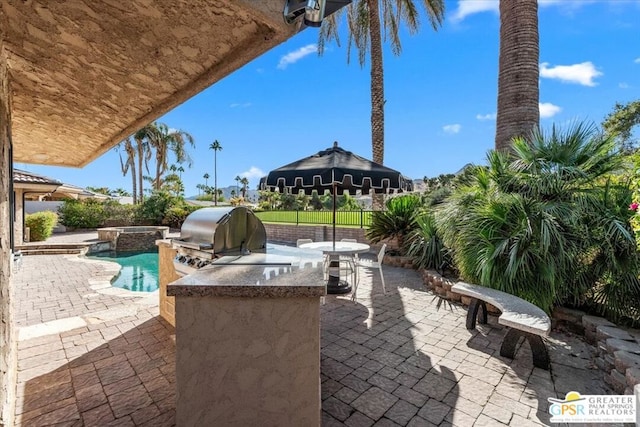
334 215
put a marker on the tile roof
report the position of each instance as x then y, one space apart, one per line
24 177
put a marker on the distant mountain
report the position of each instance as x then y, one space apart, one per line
252 195
418 185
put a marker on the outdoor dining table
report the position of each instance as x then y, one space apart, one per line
333 250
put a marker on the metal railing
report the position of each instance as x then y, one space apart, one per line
360 218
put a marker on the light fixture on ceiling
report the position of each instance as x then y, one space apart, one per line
314 11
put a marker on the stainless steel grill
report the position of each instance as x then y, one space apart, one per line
210 233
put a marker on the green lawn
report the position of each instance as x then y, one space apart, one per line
346 218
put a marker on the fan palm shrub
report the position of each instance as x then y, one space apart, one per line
424 245
545 223
396 221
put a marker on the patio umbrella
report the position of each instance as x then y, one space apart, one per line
338 171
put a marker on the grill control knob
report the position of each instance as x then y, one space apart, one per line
202 263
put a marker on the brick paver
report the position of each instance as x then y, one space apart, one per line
386 360
52 287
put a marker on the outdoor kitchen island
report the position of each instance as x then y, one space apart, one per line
248 342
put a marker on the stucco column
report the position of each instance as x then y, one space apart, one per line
8 343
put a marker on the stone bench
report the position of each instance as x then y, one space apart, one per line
524 320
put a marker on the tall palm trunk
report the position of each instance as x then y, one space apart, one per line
377 93
157 184
518 92
215 177
131 156
133 183
377 83
141 154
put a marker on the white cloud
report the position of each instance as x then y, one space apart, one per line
567 6
252 173
240 105
490 116
547 110
470 7
637 61
451 129
296 55
623 85
582 73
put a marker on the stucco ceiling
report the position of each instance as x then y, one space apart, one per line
84 74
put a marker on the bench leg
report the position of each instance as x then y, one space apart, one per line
538 348
472 314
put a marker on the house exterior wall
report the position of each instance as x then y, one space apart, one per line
8 343
18 219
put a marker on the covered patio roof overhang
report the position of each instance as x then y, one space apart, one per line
86 74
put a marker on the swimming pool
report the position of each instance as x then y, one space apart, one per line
139 271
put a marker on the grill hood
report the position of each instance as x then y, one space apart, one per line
222 230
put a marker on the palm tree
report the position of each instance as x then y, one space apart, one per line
180 170
237 178
245 184
365 32
518 111
121 192
206 179
129 163
143 150
215 146
164 140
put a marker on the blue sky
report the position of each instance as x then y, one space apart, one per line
440 95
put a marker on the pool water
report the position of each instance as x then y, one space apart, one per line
139 270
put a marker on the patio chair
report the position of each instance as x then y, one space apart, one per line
371 264
352 259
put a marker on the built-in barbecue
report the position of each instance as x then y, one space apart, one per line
209 234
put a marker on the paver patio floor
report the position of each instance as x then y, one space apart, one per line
393 359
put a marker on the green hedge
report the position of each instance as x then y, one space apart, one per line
175 215
159 208
40 225
87 213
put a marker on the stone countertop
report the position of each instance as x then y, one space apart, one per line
274 277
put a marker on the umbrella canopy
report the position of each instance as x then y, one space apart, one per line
338 171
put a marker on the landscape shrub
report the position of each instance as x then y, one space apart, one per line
154 208
396 221
40 225
547 225
425 246
116 213
88 213
175 215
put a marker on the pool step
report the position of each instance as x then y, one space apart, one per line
54 249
